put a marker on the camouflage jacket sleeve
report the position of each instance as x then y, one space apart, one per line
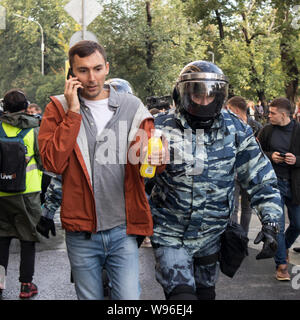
256 174
53 197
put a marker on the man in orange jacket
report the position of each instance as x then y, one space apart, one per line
92 136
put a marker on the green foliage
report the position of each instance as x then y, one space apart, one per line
49 85
237 65
251 51
248 39
150 57
20 43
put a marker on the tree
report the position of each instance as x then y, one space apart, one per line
252 30
288 50
149 42
20 43
210 12
249 50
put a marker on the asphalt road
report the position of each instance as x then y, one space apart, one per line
254 280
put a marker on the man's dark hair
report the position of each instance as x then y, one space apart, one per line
14 100
85 48
283 104
239 102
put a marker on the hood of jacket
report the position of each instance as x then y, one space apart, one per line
20 120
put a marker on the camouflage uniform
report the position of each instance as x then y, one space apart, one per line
53 197
192 201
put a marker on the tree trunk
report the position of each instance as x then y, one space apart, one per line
262 97
288 57
149 48
254 76
220 24
289 66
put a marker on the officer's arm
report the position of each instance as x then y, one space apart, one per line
256 175
53 197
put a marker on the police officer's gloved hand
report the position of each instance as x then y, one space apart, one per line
46 225
268 235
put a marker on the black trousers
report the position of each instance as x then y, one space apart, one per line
27 256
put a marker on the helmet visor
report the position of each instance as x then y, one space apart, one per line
203 98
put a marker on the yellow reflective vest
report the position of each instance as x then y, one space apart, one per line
33 174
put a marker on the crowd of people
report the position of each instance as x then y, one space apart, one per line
91 141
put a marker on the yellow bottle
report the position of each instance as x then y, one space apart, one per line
154 144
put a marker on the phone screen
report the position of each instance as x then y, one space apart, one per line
282 154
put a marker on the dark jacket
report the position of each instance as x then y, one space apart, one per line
264 138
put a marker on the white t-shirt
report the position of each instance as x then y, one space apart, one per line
100 111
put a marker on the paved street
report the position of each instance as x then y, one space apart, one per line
254 281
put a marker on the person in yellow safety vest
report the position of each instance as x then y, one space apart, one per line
20 212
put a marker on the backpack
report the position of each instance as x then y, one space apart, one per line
13 161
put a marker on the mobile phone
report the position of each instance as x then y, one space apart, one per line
282 154
71 74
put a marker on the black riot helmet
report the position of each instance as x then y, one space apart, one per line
200 93
120 85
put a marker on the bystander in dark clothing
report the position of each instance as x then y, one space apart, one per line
280 142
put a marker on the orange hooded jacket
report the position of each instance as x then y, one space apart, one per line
61 154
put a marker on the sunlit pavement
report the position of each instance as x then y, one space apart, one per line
255 279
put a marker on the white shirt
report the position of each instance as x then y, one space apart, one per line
100 112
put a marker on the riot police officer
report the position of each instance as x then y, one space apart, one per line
193 198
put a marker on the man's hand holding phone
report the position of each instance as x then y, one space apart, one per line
290 158
71 93
279 157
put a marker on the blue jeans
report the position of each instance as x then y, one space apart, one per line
287 238
112 249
